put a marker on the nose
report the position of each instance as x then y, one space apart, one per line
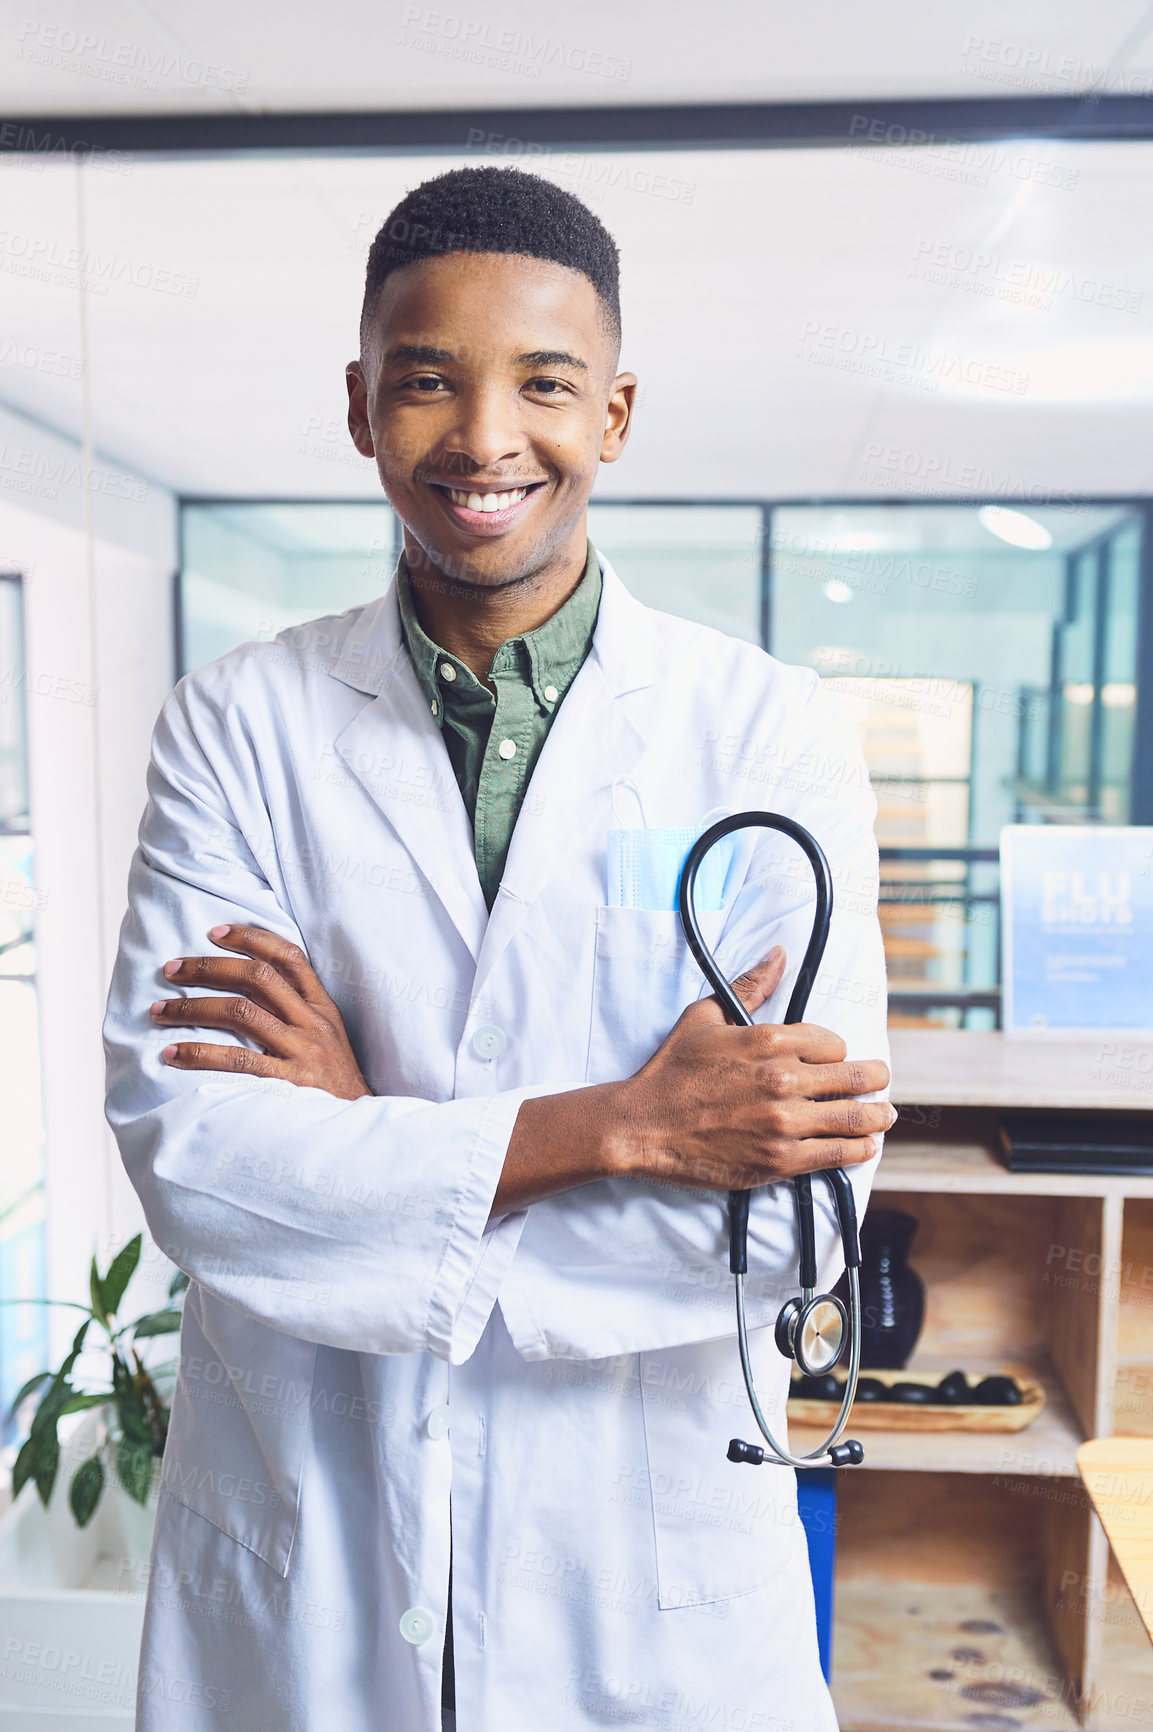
487 431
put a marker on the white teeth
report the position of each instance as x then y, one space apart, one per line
487 501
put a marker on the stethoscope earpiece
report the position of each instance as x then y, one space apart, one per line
815 1329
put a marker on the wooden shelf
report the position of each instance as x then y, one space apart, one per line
1044 1450
890 1638
987 1541
961 1155
956 1067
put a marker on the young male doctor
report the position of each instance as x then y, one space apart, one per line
442 1119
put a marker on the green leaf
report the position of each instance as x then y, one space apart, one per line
178 1284
26 1390
157 1323
134 1465
44 1472
26 1463
79 1403
120 1272
133 1419
84 1492
95 1289
60 1392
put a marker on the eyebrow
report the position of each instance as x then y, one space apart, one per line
552 358
420 352
424 354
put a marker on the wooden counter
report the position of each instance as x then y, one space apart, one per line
967 1067
979 1557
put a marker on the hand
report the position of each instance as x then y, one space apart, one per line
724 1108
278 1002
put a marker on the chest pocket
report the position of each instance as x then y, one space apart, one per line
722 1529
644 974
240 1420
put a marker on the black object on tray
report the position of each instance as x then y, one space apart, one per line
1078 1143
953 1390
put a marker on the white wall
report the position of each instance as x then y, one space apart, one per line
97 549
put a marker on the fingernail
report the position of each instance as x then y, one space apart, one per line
172 969
894 1115
157 1008
219 931
169 1052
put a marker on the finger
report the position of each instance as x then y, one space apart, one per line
238 1015
257 980
287 958
816 1045
840 1118
198 1055
814 1154
752 987
838 1081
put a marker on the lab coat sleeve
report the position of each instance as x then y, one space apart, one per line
359 1224
629 1267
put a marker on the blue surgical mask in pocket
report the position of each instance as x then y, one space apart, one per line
644 868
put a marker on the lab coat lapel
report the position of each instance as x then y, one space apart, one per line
592 740
395 749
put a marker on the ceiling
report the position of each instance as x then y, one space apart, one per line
970 319
148 56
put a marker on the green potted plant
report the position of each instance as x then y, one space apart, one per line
137 1396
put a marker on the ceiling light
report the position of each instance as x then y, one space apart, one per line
835 590
1015 527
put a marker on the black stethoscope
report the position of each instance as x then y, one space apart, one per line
814 1328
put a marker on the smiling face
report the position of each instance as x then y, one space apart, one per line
488 394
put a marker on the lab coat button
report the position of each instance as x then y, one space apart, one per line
416 1625
436 1425
489 1042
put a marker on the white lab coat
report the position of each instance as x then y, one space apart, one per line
349 1294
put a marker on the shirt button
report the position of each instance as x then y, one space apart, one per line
447 671
436 1425
507 748
551 694
489 1042
434 706
416 1625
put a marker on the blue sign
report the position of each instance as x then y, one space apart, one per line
1077 905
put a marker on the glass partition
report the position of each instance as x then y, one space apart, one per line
22 1329
989 656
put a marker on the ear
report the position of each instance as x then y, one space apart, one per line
618 416
358 409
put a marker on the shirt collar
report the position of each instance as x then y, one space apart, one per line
549 657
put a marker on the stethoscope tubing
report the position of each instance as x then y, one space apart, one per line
836 1179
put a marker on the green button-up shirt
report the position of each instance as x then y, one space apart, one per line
494 741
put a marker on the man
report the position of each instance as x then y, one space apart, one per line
446 1152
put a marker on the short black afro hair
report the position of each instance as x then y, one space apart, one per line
495 210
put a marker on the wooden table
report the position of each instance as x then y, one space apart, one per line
1118 1475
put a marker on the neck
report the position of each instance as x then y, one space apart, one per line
471 621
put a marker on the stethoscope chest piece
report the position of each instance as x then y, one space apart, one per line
813 1332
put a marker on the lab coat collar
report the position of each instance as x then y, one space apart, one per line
624 642
395 749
